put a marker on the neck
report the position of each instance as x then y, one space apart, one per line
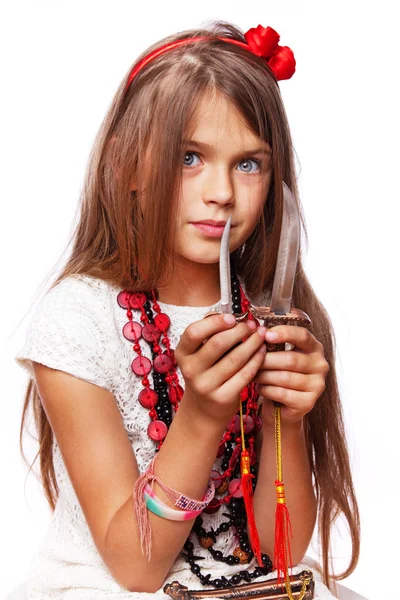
192 286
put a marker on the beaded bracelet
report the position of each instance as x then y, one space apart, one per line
156 506
144 498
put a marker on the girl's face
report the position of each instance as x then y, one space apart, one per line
226 171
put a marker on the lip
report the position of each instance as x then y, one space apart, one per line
211 222
210 228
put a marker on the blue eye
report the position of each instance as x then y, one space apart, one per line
189 154
251 160
245 161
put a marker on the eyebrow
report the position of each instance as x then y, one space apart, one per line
244 152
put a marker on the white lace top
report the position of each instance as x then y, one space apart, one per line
76 328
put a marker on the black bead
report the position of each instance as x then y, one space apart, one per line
224 527
217 583
201 532
231 560
217 554
188 545
195 569
235 579
246 576
266 559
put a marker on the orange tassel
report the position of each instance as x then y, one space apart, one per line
283 533
283 527
247 488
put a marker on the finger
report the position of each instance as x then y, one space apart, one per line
224 342
288 415
287 379
195 334
293 360
301 337
294 381
299 402
241 377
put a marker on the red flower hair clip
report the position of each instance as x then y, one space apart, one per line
263 41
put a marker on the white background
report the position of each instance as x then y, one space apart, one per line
61 63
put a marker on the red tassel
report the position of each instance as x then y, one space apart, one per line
247 488
283 533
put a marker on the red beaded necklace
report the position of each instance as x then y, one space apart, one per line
239 431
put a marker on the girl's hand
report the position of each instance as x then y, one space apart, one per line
216 366
295 378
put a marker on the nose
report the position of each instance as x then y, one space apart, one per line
218 187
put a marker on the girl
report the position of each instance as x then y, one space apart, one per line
125 368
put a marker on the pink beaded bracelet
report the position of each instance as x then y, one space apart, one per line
156 506
144 498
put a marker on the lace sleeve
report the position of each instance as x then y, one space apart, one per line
69 332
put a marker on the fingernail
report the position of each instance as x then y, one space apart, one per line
271 335
251 324
230 319
261 330
263 349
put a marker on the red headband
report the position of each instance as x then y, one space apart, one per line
262 41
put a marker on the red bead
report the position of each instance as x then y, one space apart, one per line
175 394
234 458
153 413
165 341
235 488
238 440
136 347
132 331
144 318
174 376
129 314
148 398
157 430
137 300
212 507
145 381
162 363
156 306
123 299
221 450
156 348
248 424
244 394
162 321
168 379
216 477
141 365
151 333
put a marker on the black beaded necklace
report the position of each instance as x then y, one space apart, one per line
162 410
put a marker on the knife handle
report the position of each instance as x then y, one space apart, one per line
269 319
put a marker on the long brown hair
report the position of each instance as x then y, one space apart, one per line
116 228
